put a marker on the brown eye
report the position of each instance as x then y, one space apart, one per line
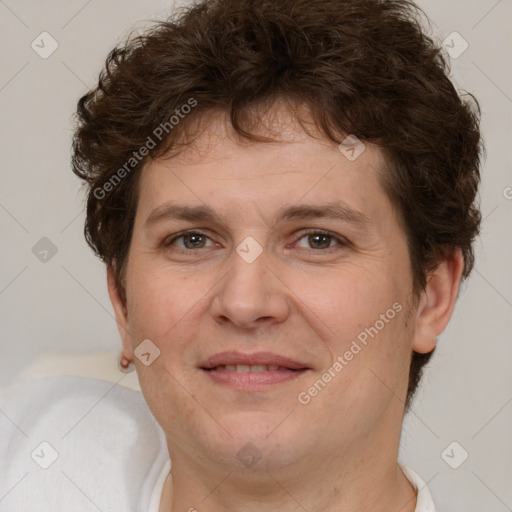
319 240
190 241
193 241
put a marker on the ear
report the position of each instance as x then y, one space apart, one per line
437 302
121 313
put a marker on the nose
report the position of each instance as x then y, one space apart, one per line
251 295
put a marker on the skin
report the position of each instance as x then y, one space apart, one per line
304 298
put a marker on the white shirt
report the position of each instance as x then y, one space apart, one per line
79 444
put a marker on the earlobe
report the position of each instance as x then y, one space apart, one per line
121 313
437 302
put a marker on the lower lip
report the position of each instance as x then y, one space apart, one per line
251 381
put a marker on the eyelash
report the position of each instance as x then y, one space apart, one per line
341 241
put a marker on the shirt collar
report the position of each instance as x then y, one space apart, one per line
424 502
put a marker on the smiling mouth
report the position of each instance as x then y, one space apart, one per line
252 373
255 368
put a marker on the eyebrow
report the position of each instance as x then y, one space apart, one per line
338 211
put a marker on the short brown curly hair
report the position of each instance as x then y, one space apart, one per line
364 67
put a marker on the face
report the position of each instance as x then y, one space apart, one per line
274 282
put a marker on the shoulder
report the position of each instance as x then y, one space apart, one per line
68 441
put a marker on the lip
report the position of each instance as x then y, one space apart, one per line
257 358
288 370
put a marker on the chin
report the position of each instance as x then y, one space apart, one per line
259 440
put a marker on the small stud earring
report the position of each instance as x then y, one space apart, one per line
124 364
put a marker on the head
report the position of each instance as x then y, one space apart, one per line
251 118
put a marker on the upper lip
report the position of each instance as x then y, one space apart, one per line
257 358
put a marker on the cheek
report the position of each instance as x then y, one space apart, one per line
161 308
367 314
370 361
159 300
353 299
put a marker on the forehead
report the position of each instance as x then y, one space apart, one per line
279 121
218 168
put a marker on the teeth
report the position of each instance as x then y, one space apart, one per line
244 368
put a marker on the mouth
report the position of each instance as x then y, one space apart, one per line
254 368
252 372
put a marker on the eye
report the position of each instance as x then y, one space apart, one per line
316 240
190 240
321 240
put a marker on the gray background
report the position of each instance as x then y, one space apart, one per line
62 304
